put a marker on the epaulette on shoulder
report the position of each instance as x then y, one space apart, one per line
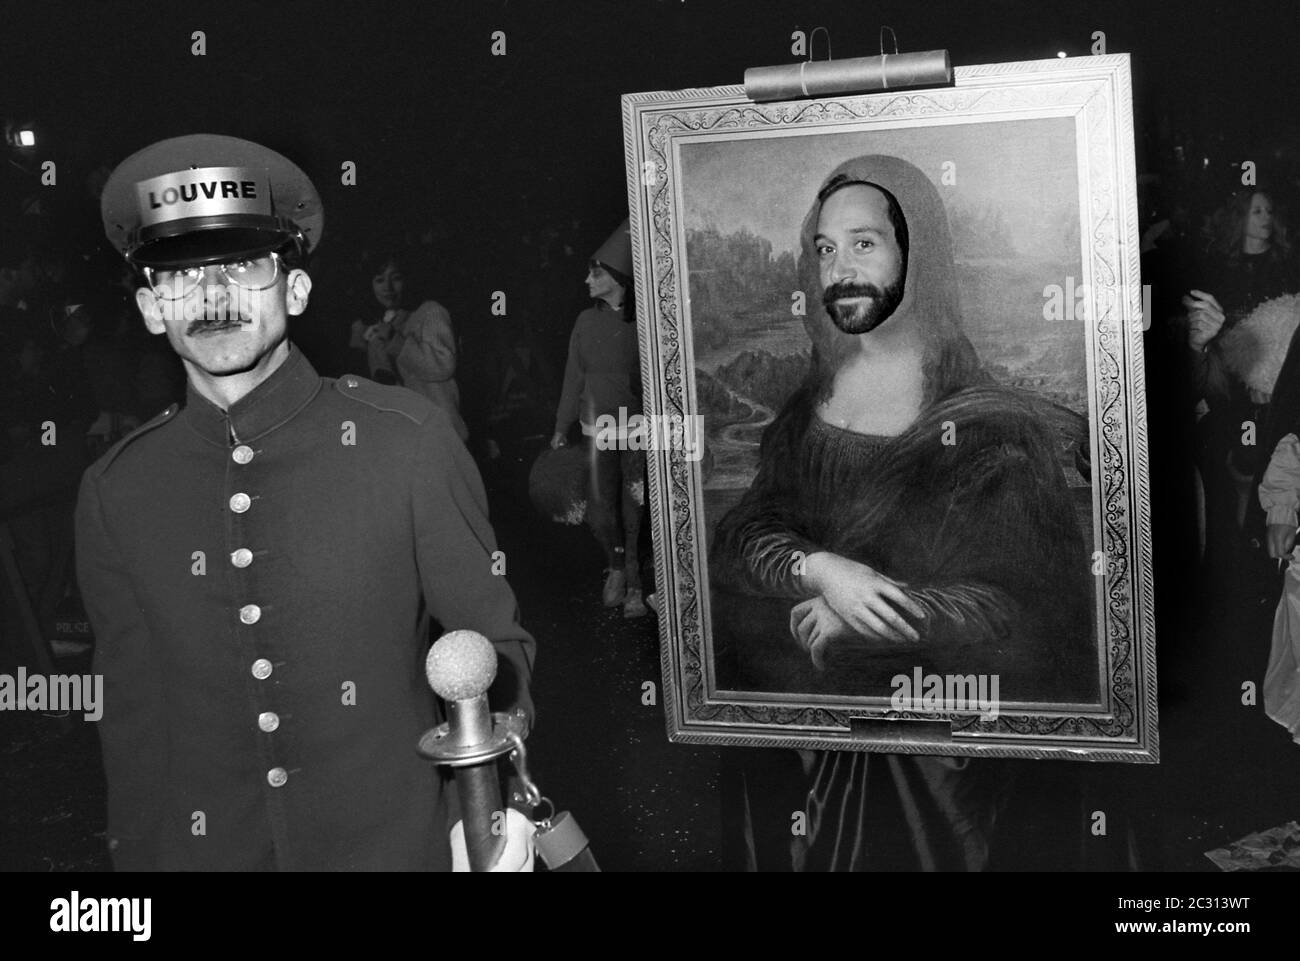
162 417
397 400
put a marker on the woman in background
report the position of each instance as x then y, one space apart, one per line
412 347
602 380
1250 261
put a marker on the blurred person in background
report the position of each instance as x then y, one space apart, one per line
19 350
412 346
1250 261
602 379
525 392
45 408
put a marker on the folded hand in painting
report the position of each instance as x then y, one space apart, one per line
818 629
869 602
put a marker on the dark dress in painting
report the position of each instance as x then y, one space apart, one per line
982 531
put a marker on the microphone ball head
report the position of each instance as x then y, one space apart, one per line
461 665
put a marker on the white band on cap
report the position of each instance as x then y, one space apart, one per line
203 192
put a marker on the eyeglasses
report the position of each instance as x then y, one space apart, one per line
257 273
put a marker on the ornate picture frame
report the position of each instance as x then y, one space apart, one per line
1034 165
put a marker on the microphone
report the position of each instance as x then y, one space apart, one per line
460 668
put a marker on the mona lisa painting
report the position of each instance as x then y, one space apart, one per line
910 325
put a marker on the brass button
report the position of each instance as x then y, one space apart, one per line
261 669
242 454
250 613
240 503
242 557
277 776
268 721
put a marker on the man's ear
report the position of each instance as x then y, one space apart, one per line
151 310
297 292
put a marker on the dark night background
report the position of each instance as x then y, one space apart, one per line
492 148
495 164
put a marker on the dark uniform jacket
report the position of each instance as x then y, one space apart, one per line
260 582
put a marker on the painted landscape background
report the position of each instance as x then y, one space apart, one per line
1013 212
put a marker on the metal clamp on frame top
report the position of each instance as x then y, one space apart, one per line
819 78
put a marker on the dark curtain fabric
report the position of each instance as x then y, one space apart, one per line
892 812
885 812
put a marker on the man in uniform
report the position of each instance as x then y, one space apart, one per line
260 565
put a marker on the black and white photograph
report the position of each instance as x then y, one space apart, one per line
648 437
899 507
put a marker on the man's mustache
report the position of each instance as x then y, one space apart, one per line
217 320
845 289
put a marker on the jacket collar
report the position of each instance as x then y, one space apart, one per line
269 405
621 311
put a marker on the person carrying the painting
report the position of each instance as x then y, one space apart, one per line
602 384
906 512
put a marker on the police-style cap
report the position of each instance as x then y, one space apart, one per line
205 199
